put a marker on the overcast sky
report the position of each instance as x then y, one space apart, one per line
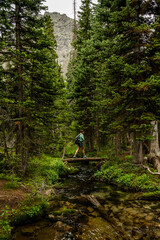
63 6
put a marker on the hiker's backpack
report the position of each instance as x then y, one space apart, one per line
77 139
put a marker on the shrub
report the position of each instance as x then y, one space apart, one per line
5 226
12 185
126 179
30 210
144 182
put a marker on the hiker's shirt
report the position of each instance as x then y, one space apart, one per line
81 139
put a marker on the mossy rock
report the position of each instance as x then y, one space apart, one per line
65 212
150 196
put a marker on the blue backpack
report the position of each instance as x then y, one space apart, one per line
77 139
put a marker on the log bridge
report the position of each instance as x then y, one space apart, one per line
89 159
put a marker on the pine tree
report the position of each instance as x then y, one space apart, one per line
123 62
83 86
31 76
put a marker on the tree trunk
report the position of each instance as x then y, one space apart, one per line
118 143
138 150
20 147
130 138
5 144
97 132
154 146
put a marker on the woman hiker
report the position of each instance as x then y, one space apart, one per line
80 144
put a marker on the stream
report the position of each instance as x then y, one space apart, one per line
72 216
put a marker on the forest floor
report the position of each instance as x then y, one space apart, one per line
11 197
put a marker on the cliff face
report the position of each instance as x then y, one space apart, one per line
63 30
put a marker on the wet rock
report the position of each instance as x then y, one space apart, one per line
113 208
99 196
27 231
52 218
132 211
60 226
49 192
136 220
95 214
158 234
149 218
90 209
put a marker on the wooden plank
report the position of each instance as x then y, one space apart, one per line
83 159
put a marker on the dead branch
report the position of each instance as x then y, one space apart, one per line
153 173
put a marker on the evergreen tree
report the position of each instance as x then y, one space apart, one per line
83 83
122 34
30 75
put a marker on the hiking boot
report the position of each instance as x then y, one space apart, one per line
84 156
75 156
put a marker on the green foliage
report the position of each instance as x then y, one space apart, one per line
33 208
31 83
64 212
114 76
12 185
145 183
129 157
13 181
47 169
126 180
4 176
127 176
5 225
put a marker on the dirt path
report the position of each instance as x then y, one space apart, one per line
11 197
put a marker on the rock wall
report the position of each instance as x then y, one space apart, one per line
63 30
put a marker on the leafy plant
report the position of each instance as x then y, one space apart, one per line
30 209
126 179
144 182
5 226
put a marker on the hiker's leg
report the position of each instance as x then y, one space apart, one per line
77 150
83 151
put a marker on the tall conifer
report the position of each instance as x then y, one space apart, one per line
83 85
30 75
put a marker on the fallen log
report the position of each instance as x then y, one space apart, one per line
83 159
106 215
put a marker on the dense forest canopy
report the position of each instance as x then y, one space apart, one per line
111 89
116 73
30 78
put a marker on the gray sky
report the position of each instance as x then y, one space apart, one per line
63 6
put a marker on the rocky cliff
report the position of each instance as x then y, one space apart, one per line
63 29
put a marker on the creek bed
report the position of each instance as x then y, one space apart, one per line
72 217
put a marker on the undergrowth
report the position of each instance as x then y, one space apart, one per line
128 176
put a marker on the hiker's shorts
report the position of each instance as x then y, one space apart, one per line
80 144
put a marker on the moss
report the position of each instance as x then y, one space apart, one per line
65 212
151 196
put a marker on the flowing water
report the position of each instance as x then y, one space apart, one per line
72 216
